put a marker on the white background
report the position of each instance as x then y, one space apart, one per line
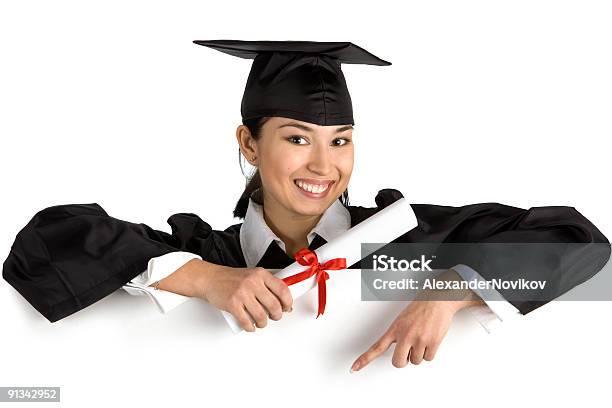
486 101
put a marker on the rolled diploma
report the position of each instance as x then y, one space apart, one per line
383 227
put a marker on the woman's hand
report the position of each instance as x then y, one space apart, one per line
247 291
239 291
419 329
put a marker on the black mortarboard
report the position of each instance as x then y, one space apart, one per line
297 79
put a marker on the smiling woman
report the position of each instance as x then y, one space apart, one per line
297 125
301 170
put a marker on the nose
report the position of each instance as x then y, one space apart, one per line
321 160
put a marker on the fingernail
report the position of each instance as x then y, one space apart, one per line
355 367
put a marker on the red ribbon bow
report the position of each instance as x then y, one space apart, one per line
307 257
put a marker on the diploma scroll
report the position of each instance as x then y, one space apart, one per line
383 227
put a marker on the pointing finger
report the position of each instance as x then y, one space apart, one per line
373 352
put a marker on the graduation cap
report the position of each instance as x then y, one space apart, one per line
297 79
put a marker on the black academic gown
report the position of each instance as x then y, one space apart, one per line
70 256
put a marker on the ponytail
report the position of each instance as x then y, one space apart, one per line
253 185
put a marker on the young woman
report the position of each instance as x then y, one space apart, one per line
297 130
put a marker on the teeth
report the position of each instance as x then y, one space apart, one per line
313 188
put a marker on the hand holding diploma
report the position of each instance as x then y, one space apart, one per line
248 291
382 227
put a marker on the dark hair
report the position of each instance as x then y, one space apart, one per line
254 182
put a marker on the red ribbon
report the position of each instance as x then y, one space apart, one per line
307 257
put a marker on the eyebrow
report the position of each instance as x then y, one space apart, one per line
309 129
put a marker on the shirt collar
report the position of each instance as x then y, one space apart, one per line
256 236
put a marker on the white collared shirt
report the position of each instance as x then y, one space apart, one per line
255 238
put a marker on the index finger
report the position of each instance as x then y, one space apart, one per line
373 352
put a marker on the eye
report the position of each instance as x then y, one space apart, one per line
292 138
346 141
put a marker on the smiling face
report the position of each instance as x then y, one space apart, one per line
304 167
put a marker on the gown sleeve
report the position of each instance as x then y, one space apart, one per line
70 256
573 249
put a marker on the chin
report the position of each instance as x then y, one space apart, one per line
304 207
312 209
